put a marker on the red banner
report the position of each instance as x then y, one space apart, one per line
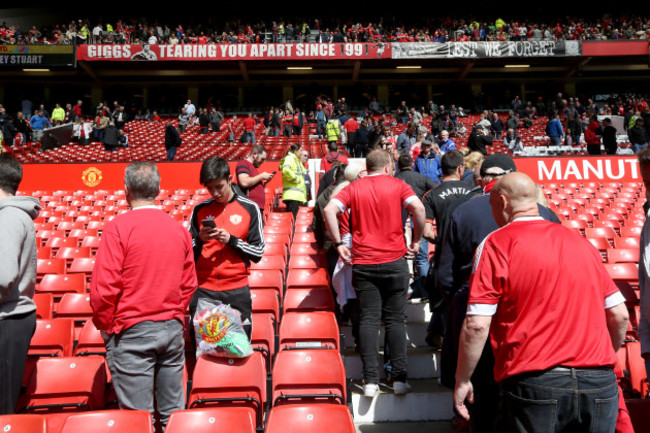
615 48
110 176
220 52
581 169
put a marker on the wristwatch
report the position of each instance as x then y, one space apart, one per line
337 244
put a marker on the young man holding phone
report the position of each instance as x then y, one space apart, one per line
226 236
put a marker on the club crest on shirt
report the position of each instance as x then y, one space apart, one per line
235 219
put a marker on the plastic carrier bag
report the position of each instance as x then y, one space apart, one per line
219 331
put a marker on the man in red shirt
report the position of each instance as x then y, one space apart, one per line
250 180
380 272
226 235
554 315
249 129
351 125
142 283
333 156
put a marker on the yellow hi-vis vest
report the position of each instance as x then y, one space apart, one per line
293 179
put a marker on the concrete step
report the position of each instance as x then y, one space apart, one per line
411 427
416 332
423 363
428 401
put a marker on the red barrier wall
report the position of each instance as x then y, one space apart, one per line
185 175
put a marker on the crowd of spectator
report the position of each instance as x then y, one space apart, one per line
445 29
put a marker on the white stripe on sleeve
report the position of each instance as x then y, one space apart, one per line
481 309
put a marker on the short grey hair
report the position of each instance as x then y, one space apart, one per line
142 180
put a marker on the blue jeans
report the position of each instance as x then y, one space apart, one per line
320 127
558 400
556 141
637 146
381 290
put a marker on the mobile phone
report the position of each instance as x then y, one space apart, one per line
273 174
209 223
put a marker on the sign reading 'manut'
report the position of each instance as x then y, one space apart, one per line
542 170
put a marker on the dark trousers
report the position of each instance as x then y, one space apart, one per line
292 206
239 299
15 335
381 290
171 153
560 400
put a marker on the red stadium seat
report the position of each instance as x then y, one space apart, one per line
62 242
90 341
65 384
601 244
82 265
230 382
275 249
69 254
263 338
606 232
24 423
304 249
310 418
49 266
313 261
636 368
209 420
307 376
632 242
266 302
304 237
44 305
123 421
58 284
623 255
301 278
308 299
315 329
623 272
271 262
270 279
53 337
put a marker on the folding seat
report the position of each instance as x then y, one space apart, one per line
282 238
69 225
52 338
276 262
46 234
623 255
579 224
44 305
308 299
310 418
69 253
304 376
90 341
606 232
628 242
281 225
612 223
49 266
58 284
631 231
24 423
301 278
275 249
43 253
122 421
263 338
306 249
304 237
636 368
309 329
601 244
209 420
312 261
266 302
230 382
82 265
91 242
278 232
267 279
75 306
96 225
69 384
304 220
624 272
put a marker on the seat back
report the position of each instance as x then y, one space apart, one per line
310 418
122 421
315 329
308 299
90 341
308 375
230 382
209 420
52 338
23 423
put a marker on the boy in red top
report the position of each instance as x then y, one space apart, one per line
226 235
287 120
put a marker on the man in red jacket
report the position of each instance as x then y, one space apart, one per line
142 283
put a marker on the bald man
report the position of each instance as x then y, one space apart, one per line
554 316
